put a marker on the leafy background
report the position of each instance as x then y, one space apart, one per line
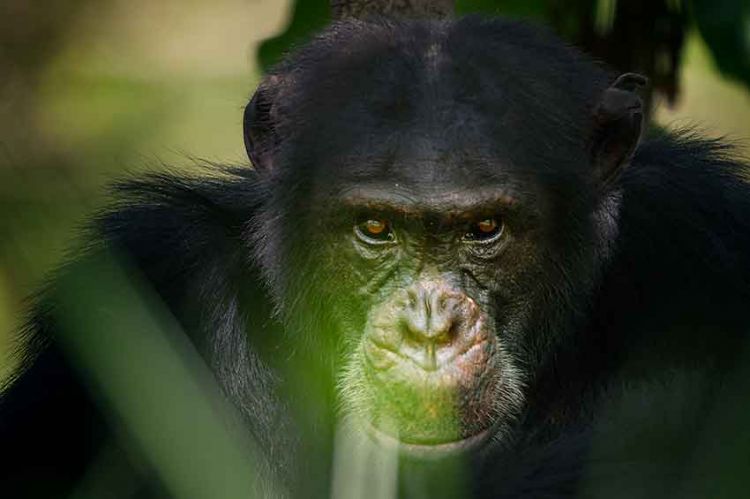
91 90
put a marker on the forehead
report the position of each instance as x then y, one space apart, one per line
422 179
432 108
423 164
418 164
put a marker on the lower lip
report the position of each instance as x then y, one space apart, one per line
437 451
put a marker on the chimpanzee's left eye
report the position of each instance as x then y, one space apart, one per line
374 230
484 230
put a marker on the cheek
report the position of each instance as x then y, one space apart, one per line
509 276
359 274
330 297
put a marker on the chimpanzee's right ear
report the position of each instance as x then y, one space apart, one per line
618 121
260 124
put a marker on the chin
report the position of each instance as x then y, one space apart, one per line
431 451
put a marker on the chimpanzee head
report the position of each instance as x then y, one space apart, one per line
441 198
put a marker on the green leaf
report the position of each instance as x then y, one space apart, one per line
725 27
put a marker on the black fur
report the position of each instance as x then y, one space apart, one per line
647 372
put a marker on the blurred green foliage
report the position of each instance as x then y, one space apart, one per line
103 90
154 384
725 26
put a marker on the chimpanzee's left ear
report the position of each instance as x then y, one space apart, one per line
618 120
260 124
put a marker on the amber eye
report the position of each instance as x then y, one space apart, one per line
486 229
375 230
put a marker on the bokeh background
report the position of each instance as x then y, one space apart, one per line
93 90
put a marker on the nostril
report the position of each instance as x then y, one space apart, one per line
445 302
418 300
432 315
443 329
415 327
439 329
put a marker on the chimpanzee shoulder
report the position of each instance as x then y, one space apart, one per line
183 237
681 267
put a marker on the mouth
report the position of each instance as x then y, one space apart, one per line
429 451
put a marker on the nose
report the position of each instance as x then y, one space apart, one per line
431 315
431 324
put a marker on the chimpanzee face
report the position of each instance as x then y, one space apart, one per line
429 275
441 220
427 363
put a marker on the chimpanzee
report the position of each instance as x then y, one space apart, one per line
453 245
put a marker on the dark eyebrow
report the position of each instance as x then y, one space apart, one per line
451 203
